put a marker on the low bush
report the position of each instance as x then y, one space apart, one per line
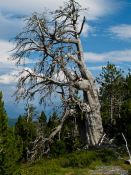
85 158
74 163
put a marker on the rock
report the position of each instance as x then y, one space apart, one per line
108 170
128 161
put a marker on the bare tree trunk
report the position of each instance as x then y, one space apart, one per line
94 130
127 161
91 130
111 110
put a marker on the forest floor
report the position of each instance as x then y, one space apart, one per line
96 162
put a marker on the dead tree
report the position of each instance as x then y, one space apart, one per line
53 43
128 151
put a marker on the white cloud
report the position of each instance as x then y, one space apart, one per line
100 8
6 52
11 24
87 29
8 68
94 68
11 11
9 78
113 56
122 31
96 8
9 27
13 75
29 6
5 48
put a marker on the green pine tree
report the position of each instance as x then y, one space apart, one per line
111 81
53 121
42 119
8 148
42 125
25 129
3 117
124 122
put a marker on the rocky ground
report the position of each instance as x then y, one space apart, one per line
108 170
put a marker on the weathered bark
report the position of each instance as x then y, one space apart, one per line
91 130
58 49
41 146
128 151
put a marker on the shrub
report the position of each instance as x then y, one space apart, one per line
86 158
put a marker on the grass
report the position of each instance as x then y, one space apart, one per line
77 163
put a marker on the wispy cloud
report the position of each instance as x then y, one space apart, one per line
6 52
100 8
113 56
122 31
9 27
5 48
96 8
12 12
94 68
8 68
8 78
87 29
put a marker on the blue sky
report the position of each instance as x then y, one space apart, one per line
106 37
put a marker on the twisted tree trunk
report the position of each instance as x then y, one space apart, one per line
91 129
58 45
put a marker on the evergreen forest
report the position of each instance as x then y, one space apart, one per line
66 150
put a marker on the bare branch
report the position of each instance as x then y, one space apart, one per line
127 147
83 22
59 68
59 127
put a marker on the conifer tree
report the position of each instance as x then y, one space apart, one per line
3 117
3 133
53 121
26 131
8 149
42 119
42 125
124 123
111 93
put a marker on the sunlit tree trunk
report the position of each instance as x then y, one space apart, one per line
91 130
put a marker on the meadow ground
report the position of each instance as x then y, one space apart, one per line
78 163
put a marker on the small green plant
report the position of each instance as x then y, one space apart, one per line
76 163
86 158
